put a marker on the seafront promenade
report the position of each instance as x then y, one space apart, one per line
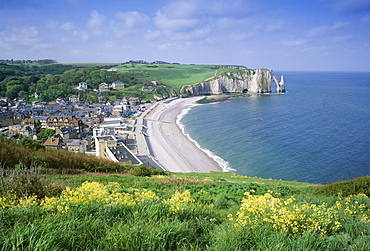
161 143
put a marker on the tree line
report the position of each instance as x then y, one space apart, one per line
57 80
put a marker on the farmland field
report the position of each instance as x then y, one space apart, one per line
172 74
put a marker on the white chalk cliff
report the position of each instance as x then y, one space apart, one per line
239 81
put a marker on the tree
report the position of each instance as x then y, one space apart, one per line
28 142
21 94
45 133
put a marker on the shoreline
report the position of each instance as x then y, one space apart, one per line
225 166
169 146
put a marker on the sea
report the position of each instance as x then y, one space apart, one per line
318 131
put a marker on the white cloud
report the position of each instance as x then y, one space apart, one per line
295 42
23 36
196 19
74 3
230 22
67 26
241 36
181 9
110 44
75 51
83 35
328 29
340 25
167 24
275 25
132 19
129 22
23 41
96 22
318 31
164 46
43 46
152 34
247 52
342 38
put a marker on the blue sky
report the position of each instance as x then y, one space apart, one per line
327 35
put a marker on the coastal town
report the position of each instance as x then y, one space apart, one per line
108 129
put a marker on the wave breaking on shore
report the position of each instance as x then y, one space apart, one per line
225 166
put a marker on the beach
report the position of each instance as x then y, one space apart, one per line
166 143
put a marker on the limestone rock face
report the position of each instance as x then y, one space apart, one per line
221 85
281 85
247 81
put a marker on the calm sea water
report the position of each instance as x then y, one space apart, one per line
317 132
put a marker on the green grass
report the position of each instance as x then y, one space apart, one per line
90 64
172 74
200 224
172 211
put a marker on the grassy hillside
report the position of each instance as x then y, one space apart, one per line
174 75
177 211
60 80
92 64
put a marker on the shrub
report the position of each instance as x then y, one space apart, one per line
145 171
25 181
12 154
360 185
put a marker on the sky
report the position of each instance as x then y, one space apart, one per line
297 35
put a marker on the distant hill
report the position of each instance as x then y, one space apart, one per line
148 81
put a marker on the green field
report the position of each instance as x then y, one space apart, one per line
90 64
175 75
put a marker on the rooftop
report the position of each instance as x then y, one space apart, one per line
122 154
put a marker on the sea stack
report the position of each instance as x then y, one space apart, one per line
280 87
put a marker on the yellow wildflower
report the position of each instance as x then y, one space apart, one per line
179 201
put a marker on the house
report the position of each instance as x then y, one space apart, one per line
37 94
102 142
15 129
42 120
53 142
104 87
67 133
118 85
57 122
100 96
61 101
121 110
134 101
124 101
76 145
74 99
107 147
82 86
5 100
122 153
32 122
6 115
3 103
27 131
145 88
103 131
